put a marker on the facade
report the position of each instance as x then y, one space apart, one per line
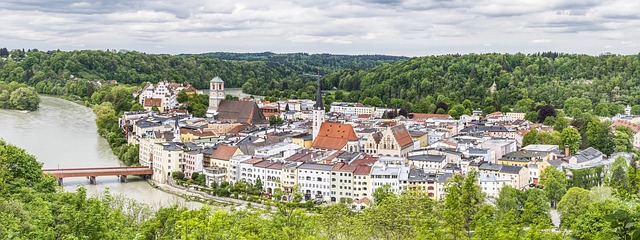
428 163
393 141
318 113
314 181
192 163
216 95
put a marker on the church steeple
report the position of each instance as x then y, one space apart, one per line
216 95
318 112
319 105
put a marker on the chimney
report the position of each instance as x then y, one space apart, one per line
566 151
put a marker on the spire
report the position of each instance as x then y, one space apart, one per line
319 105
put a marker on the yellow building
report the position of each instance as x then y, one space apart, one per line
303 140
421 137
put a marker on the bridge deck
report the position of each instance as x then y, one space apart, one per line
95 172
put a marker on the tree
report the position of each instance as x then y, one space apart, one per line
530 138
182 97
573 204
442 105
524 105
600 136
575 106
25 99
258 187
561 124
136 107
536 210
545 111
623 136
462 202
570 137
275 120
383 193
555 184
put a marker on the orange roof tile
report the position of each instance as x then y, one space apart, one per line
401 135
224 152
334 136
153 102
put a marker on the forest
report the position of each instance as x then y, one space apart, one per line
604 83
601 85
33 207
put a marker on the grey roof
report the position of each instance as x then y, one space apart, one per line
417 175
510 169
314 166
587 155
443 177
555 163
348 156
478 151
486 129
428 158
217 79
490 167
318 105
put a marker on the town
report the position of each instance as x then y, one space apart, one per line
346 152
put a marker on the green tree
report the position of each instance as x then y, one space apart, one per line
561 123
600 136
570 137
573 204
555 184
25 99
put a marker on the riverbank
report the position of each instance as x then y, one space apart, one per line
190 194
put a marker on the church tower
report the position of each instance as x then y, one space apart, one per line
318 112
216 95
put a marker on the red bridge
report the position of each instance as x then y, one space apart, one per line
92 173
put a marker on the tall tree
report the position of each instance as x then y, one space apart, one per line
555 184
570 137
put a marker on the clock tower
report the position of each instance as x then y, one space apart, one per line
216 95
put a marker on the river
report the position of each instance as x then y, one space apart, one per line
62 134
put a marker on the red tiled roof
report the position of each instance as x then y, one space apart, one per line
634 126
401 135
224 152
334 136
362 170
153 102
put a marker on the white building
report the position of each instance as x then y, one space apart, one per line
315 181
491 183
382 174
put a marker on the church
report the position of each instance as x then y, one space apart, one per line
245 112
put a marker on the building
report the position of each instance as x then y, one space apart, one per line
192 163
245 112
336 136
384 174
314 181
318 113
393 141
428 163
491 183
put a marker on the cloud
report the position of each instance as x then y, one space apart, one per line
407 27
541 41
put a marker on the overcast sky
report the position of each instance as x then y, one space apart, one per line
394 27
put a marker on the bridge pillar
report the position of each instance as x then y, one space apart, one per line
92 180
123 178
60 181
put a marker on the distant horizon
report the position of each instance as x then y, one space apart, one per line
320 53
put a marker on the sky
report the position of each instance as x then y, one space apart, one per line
390 27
